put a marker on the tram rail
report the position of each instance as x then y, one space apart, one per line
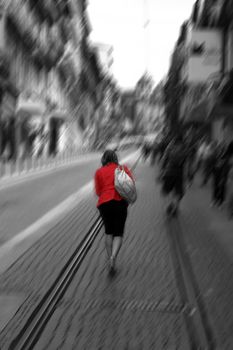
32 330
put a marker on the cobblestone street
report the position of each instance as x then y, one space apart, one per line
138 308
95 94
141 307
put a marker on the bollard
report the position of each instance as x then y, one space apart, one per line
26 165
33 164
23 166
3 169
11 168
7 169
17 166
42 162
39 163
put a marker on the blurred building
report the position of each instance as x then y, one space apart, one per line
109 116
207 71
174 84
105 124
49 76
129 102
105 55
157 100
148 106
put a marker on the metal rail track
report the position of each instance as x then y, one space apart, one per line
40 316
200 333
37 321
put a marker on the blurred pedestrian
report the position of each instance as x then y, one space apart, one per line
191 164
154 152
200 150
207 154
112 207
221 168
229 150
163 144
146 150
173 164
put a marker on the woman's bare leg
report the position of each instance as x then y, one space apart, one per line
116 246
108 244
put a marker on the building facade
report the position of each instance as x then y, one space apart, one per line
149 111
105 55
208 68
49 76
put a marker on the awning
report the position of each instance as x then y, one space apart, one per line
30 107
222 110
59 114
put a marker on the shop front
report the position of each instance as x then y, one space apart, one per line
7 126
222 122
30 114
57 132
221 109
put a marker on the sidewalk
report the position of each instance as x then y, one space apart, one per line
208 234
140 307
12 172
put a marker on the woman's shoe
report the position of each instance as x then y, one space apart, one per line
213 204
169 209
112 267
175 211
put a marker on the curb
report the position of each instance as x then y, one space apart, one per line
16 178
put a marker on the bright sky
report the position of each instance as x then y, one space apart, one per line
120 23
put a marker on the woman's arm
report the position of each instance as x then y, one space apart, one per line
97 184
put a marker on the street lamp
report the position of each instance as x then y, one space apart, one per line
146 22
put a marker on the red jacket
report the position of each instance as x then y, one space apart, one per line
104 183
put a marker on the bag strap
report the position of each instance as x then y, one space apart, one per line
121 167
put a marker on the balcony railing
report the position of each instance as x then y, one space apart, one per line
43 52
68 65
45 9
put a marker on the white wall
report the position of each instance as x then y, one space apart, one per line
229 51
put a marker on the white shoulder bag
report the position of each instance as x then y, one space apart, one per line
124 185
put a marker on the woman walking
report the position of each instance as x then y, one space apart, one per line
221 169
112 207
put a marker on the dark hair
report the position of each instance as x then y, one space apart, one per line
109 156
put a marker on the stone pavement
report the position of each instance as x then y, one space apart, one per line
140 307
208 234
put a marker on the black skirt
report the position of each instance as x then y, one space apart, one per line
114 214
